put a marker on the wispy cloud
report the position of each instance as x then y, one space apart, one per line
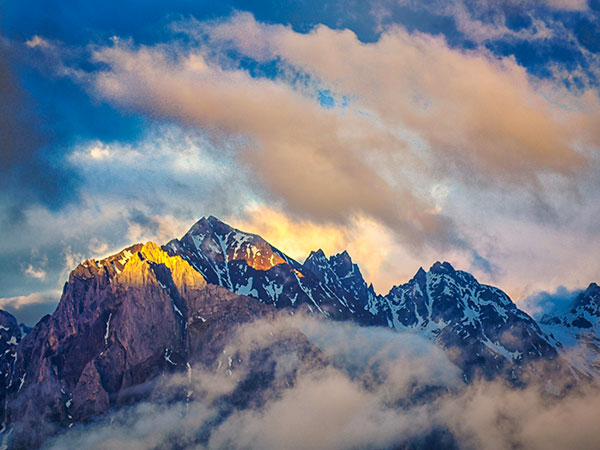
35 272
28 309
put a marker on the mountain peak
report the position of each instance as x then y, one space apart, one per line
342 262
318 254
344 255
420 273
442 268
592 288
210 222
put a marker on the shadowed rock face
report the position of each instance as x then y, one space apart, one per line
342 276
10 336
121 323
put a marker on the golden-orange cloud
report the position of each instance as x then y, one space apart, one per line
371 245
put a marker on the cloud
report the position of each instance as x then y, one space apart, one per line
37 41
382 390
35 272
543 302
308 157
476 110
475 119
156 228
494 416
29 308
324 410
569 5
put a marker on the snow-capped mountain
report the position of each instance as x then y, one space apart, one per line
575 332
125 320
341 275
248 265
486 330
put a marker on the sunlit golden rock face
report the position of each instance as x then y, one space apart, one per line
257 257
138 269
133 267
145 268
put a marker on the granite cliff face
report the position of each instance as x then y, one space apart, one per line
126 323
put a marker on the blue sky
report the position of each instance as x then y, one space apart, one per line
465 131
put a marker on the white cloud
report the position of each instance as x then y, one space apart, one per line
100 151
380 399
37 41
35 272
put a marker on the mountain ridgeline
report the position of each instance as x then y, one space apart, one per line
125 321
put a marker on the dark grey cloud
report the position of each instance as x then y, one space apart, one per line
30 165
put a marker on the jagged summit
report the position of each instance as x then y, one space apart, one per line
589 300
442 268
246 264
343 277
583 312
451 307
317 254
211 246
211 222
420 273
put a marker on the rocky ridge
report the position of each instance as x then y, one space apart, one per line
126 321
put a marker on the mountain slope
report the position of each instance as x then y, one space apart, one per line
342 276
10 336
484 331
125 322
576 331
